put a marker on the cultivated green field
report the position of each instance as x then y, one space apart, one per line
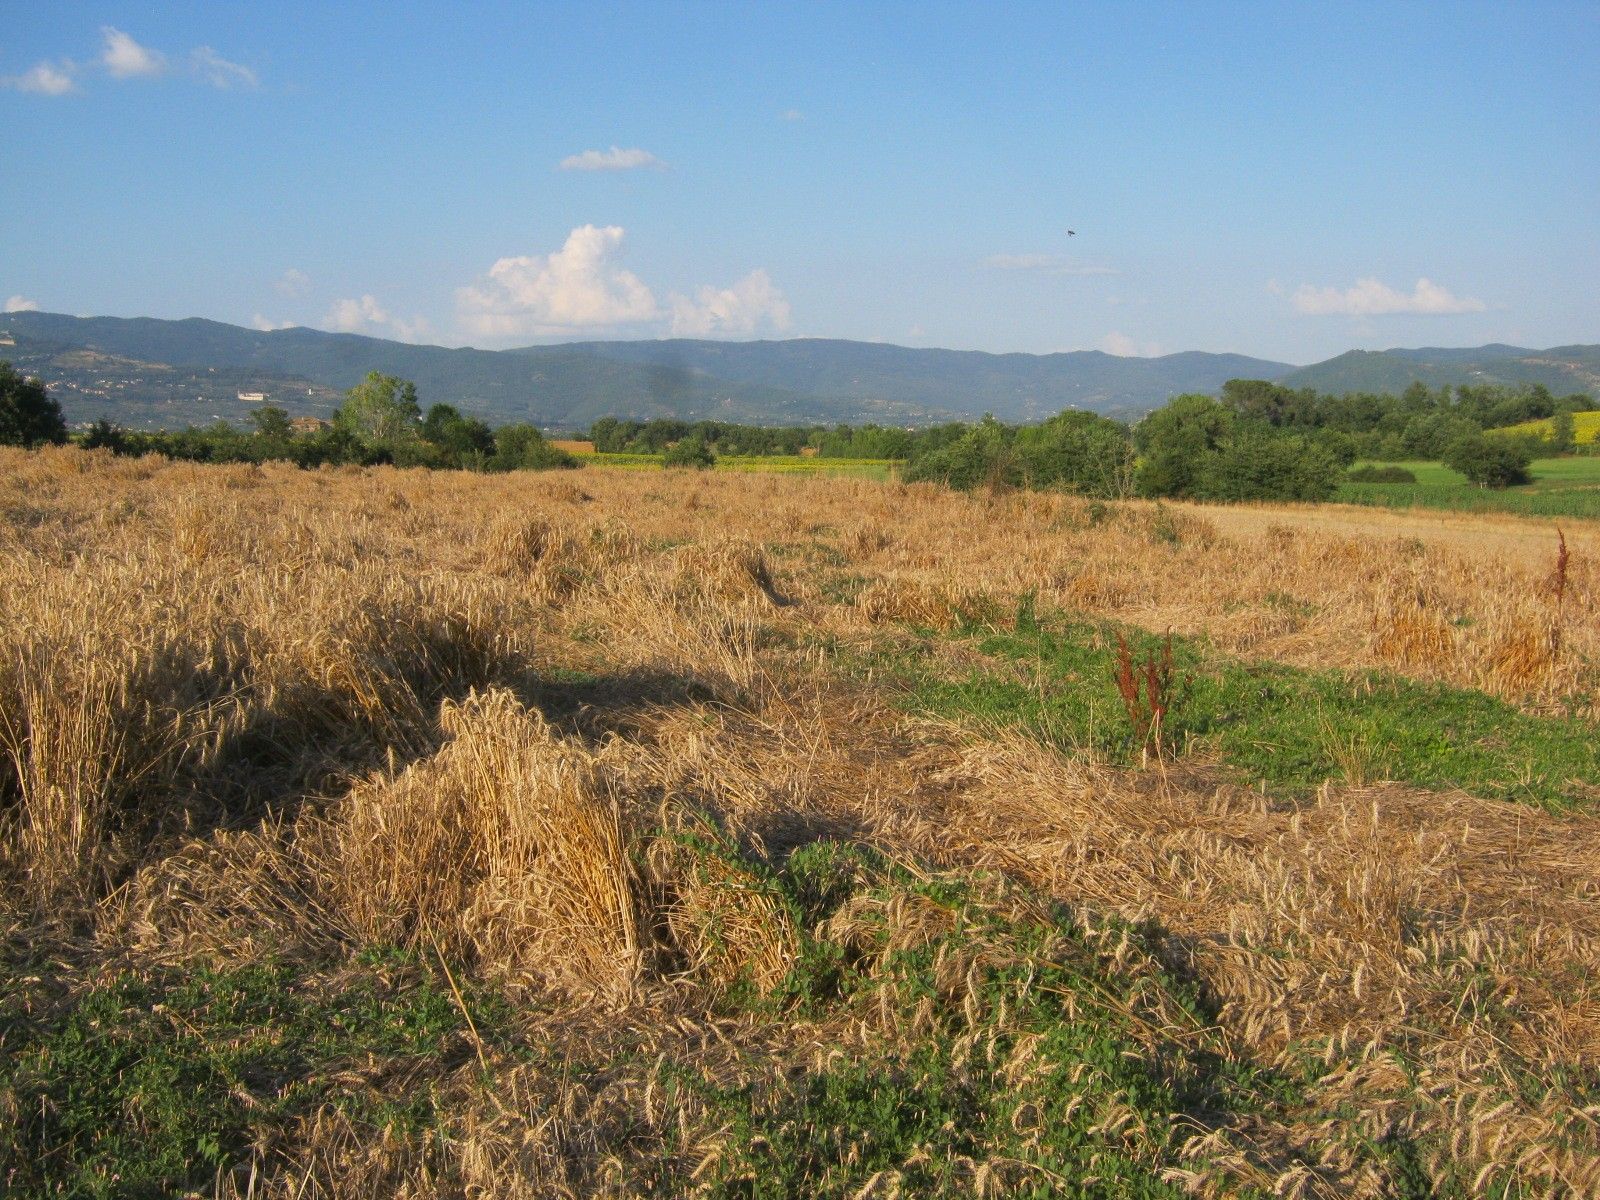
1561 487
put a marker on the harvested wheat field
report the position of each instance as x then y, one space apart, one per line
620 833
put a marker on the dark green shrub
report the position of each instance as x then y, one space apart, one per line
1495 462
1257 465
523 448
982 456
1078 452
689 452
28 416
103 435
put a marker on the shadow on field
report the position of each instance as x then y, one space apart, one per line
595 707
268 760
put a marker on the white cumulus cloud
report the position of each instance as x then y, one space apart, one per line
581 288
21 304
126 58
577 287
1372 298
367 316
1124 346
742 307
1043 264
46 79
614 159
219 72
267 325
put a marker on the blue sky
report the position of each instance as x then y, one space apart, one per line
1281 180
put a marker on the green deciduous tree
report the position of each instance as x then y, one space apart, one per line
272 423
1490 461
381 410
982 456
1262 400
1563 433
28 416
459 441
1203 449
1176 442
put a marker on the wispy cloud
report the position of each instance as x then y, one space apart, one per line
742 308
21 304
219 72
366 315
293 282
1044 264
45 79
614 159
122 57
791 114
1372 298
1124 346
125 58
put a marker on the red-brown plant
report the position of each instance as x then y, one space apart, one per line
1149 687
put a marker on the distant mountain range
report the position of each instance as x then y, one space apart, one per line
963 383
147 373
1563 369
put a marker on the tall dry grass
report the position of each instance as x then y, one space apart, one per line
504 848
523 723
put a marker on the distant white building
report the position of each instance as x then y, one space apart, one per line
252 397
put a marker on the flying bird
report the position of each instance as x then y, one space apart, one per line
1072 233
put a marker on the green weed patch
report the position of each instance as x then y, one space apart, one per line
1010 1049
1291 728
148 1084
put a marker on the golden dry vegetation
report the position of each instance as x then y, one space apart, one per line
557 737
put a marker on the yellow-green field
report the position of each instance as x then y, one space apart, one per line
1585 427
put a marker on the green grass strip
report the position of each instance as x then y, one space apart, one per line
1289 727
1572 503
1561 487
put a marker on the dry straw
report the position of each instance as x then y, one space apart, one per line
257 711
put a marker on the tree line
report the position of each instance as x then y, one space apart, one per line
614 435
379 421
1256 441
